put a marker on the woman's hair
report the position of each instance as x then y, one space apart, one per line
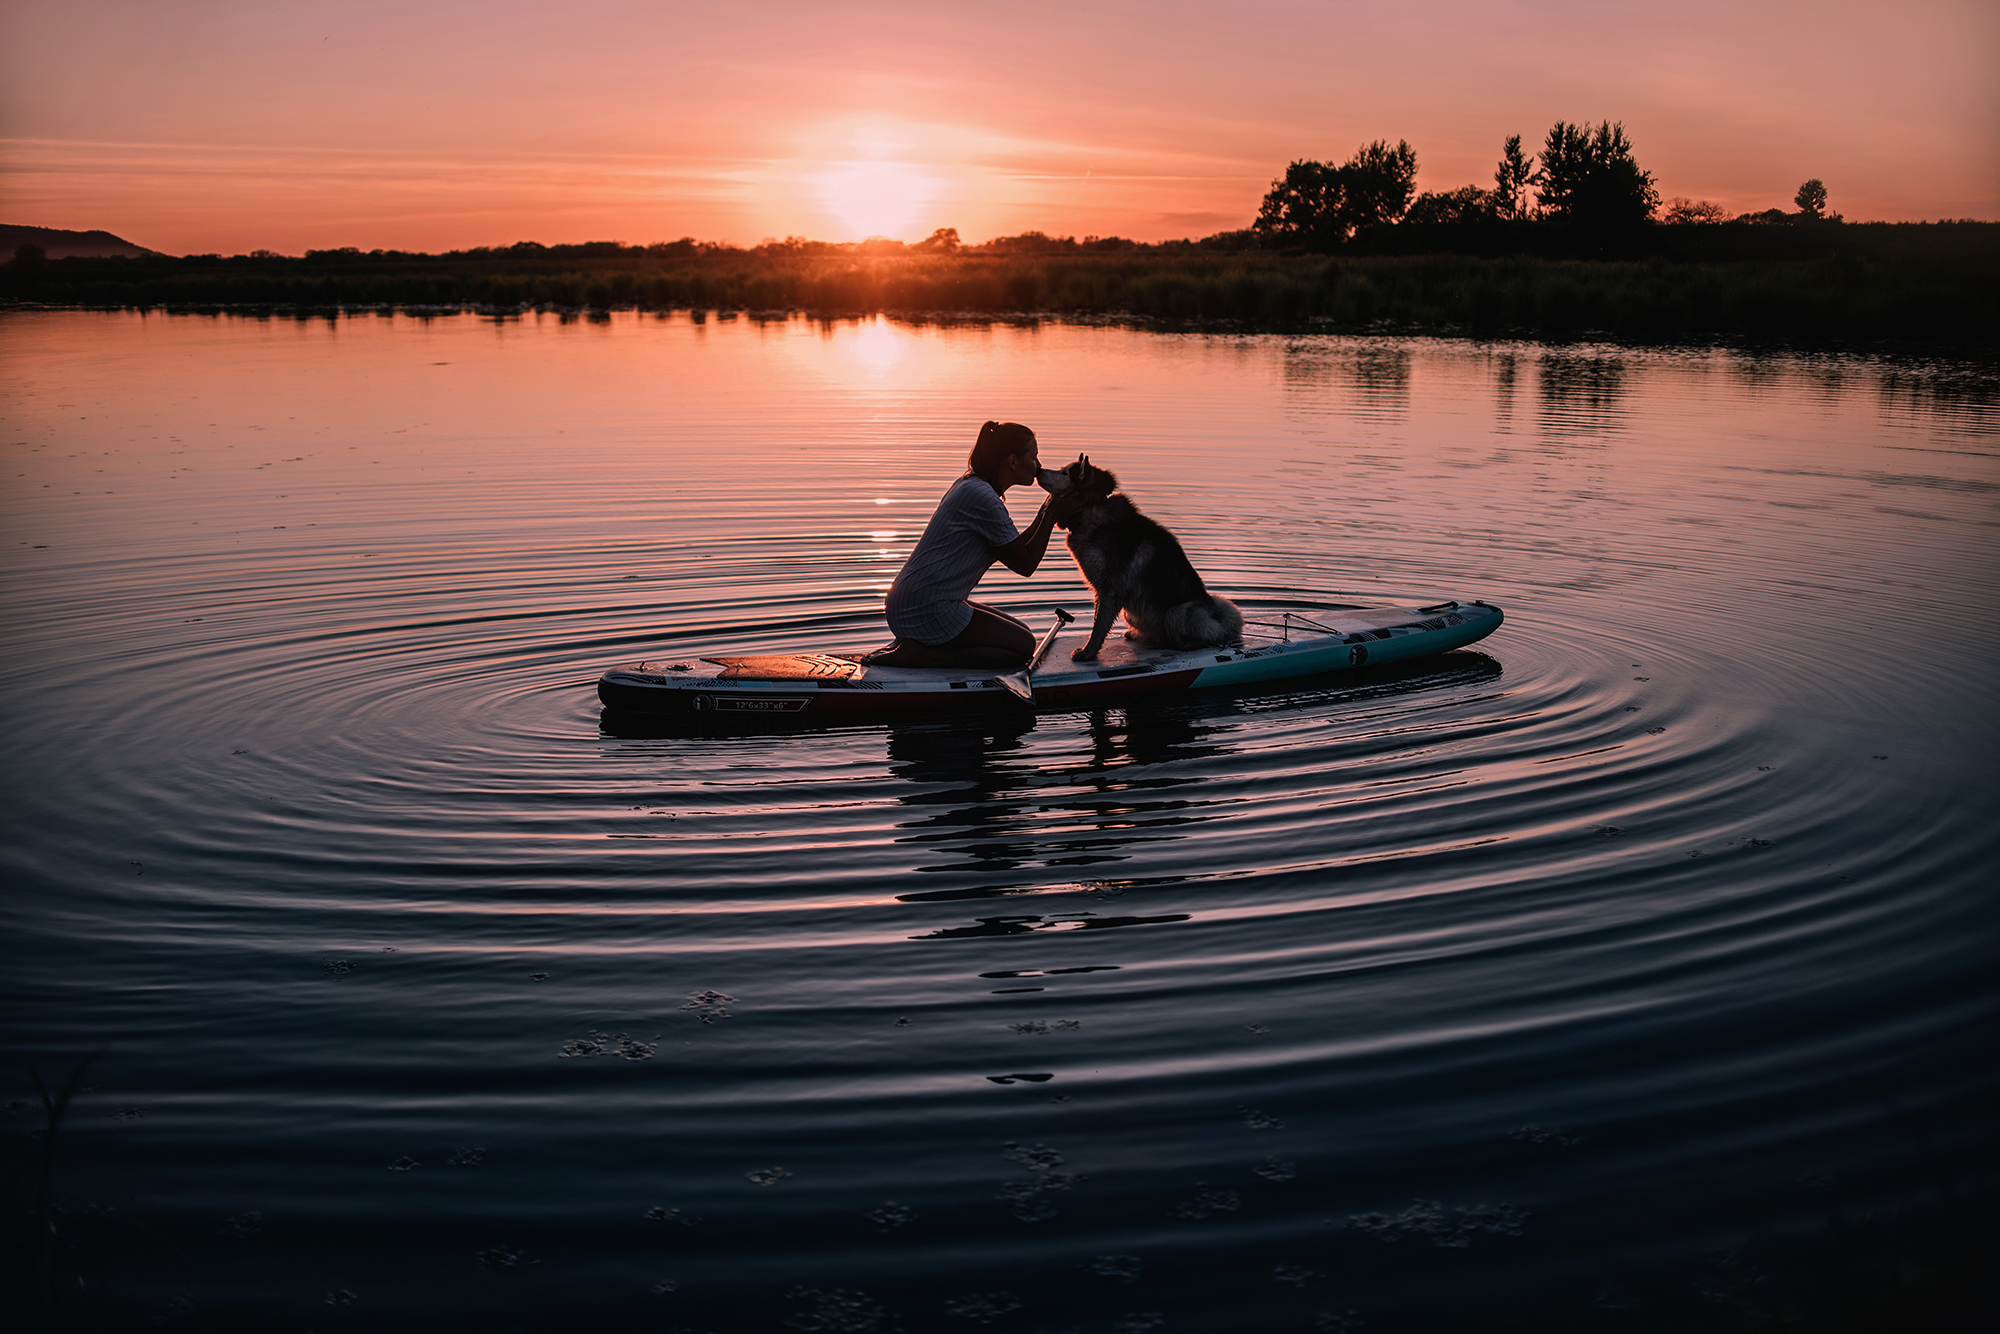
998 442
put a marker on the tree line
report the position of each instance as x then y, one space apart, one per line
1564 243
1583 179
943 242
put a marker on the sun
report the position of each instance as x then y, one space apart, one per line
875 198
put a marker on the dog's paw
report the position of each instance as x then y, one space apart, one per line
1084 654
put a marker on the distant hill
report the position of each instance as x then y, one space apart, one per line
61 244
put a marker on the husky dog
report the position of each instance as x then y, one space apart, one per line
1133 564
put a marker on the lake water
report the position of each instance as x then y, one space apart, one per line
1633 969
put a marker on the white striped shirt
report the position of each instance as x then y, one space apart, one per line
927 601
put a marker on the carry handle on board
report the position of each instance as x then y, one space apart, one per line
1022 682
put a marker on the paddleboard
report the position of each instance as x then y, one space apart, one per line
1280 641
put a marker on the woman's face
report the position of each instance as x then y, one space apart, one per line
1023 468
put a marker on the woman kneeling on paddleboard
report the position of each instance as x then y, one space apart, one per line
930 613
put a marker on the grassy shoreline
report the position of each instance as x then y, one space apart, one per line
1933 284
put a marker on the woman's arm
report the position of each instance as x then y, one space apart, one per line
1024 554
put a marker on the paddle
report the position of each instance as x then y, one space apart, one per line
1022 682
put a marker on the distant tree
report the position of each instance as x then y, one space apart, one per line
1306 207
1590 178
1681 210
1811 198
1381 182
30 257
1318 206
944 240
1511 180
1565 159
1468 203
1769 215
1029 243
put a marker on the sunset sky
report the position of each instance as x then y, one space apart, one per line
230 125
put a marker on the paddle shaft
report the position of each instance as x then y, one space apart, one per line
1021 683
1042 649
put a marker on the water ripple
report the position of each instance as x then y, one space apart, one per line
1589 941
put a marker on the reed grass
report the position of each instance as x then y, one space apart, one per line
1929 284
62 1297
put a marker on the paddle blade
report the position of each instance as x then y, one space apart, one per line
1018 683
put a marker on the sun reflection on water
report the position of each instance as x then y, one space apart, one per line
876 345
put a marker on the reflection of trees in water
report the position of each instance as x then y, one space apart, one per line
1758 373
1831 380
1962 398
1964 401
1582 393
1370 380
1506 375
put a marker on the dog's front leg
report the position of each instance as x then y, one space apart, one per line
1106 615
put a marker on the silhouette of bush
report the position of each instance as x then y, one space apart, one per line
1466 204
1682 211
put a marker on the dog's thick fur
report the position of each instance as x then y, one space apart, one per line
1134 565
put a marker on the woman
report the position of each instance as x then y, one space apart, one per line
933 619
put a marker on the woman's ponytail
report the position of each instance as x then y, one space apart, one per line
998 442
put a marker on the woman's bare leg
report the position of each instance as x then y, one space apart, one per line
991 639
981 607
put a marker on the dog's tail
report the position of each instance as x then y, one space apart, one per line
1209 620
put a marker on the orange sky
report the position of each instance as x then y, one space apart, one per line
228 125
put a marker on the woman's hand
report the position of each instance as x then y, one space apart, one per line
1024 554
1062 506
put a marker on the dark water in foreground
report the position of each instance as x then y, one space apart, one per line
1632 970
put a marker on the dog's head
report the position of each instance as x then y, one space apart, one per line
1080 484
